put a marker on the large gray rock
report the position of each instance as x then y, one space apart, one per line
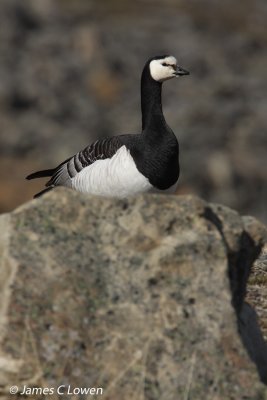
132 296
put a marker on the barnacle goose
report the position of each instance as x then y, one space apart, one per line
126 165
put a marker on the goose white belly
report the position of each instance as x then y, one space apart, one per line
112 177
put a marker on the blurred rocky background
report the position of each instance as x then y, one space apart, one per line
70 70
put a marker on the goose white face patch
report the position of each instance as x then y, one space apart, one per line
163 69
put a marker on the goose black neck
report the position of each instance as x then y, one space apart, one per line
151 106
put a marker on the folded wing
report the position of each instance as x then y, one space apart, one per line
63 174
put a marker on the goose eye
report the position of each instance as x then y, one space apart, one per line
164 64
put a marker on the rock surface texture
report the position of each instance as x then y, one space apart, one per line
130 296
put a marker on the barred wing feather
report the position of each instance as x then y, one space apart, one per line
99 150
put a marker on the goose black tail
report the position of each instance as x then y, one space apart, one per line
41 174
43 192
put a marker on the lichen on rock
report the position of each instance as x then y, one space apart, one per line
143 297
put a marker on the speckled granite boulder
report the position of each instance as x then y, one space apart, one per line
131 296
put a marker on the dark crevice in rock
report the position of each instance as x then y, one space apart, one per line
252 339
239 267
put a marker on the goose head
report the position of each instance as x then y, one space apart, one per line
163 68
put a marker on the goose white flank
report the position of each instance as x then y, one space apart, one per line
125 165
